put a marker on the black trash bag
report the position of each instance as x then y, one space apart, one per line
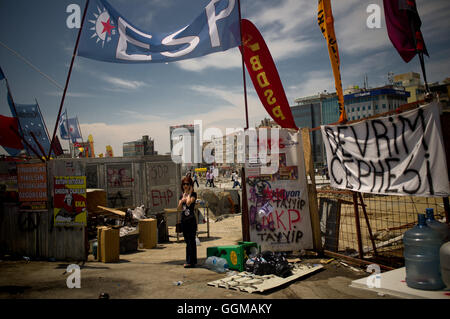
261 267
270 263
283 269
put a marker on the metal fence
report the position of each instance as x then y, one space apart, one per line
370 227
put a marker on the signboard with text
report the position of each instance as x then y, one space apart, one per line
278 204
70 201
401 154
32 186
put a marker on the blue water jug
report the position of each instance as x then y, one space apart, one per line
421 252
438 226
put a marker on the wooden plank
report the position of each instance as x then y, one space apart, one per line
312 193
112 210
245 217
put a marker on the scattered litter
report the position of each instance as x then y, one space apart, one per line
27 259
138 212
293 260
381 294
103 295
350 267
325 262
216 264
178 283
125 230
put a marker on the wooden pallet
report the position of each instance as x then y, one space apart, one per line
248 282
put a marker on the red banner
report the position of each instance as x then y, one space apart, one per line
7 137
265 76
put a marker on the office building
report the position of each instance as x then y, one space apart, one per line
412 84
144 146
369 102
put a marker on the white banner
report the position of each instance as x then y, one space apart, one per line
401 154
277 200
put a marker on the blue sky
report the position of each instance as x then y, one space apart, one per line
121 102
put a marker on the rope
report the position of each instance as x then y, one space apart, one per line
34 67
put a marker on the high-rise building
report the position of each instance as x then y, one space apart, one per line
312 111
187 144
144 146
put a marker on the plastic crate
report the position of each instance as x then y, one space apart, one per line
235 255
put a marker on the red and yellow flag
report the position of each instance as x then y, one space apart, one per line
264 75
326 24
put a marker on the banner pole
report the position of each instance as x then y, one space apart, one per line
38 144
68 77
27 144
45 126
243 67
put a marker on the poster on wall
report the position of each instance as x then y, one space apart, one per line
32 186
401 154
279 218
70 201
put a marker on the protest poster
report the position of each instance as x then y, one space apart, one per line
401 154
279 217
32 186
70 201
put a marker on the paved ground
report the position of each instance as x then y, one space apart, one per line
152 273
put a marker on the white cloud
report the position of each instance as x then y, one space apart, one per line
315 82
228 112
220 60
121 83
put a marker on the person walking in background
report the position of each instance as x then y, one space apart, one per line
186 205
196 179
235 178
211 179
208 177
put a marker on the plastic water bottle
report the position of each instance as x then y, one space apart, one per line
444 253
421 252
438 226
217 264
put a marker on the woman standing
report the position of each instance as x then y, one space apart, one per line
188 220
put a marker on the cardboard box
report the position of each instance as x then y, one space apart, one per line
94 198
108 241
148 236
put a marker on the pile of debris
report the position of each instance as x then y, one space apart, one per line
269 263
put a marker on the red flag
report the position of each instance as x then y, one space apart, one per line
265 76
7 137
403 26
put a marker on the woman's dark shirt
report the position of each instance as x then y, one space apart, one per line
187 215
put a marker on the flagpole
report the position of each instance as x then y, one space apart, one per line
26 143
68 76
45 126
68 133
38 144
243 67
